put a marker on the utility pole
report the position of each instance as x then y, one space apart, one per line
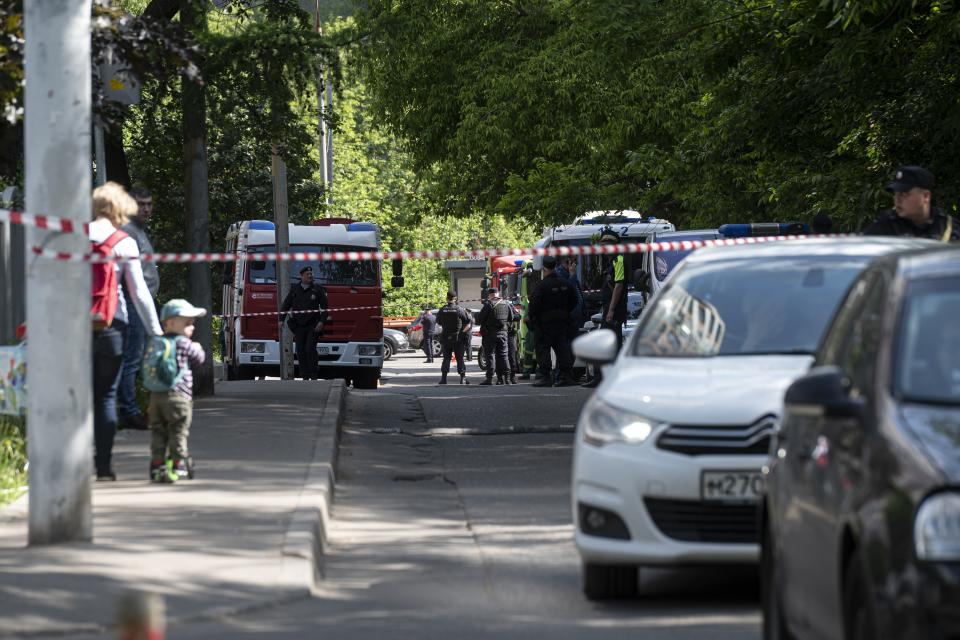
57 167
324 103
281 221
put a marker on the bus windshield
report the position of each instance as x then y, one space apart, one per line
591 267
357 273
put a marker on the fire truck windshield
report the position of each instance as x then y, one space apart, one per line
357 273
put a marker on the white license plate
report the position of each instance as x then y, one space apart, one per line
323 350
731 486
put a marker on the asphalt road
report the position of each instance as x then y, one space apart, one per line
452 519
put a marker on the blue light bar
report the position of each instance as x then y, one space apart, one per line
763 229
361 226
261 225
518 263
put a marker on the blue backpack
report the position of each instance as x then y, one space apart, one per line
161 371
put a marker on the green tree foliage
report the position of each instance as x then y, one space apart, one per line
375 180
704 110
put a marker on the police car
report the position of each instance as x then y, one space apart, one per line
669 450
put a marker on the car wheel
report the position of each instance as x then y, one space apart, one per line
437 348
774 624
857 622
388 350
482 360
609 581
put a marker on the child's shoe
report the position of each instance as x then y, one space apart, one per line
178 468
158 471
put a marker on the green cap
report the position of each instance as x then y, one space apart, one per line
180 307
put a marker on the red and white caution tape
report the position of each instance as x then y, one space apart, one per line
446 254
51 223
283 313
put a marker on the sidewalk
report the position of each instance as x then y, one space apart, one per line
244 533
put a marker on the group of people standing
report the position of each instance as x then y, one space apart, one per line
124 317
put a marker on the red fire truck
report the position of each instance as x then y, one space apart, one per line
352 343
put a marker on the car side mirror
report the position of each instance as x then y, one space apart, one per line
823 392
597 347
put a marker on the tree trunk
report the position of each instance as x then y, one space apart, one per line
193 18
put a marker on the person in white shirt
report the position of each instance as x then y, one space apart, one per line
112 207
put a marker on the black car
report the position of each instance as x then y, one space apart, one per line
861 521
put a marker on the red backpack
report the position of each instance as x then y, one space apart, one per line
104 290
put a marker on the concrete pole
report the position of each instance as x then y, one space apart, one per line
57 167
324 99
281 220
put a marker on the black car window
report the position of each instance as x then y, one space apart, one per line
835 343
927 362
859 358
746 306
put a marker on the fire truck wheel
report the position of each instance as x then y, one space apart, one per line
366 380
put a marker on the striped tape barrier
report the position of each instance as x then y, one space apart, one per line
50 223
445 254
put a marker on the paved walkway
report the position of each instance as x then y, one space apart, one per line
237 537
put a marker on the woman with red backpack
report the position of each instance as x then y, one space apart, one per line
112 207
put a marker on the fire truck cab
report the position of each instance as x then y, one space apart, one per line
351 346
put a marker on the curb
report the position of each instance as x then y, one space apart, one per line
306 535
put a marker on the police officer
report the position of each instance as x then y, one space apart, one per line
614 311
913 213
493 319
306 295
551 304
513 343
454 321
466 337
429 324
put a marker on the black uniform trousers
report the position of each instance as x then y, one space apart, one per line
554 338
495 350
427 345
306 340
513 352
464 340
451 346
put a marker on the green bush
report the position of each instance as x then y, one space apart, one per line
13 458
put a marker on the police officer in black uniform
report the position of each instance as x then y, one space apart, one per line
493 319
466 338
551 304
613 315
913 213
306 295
513 343
454 321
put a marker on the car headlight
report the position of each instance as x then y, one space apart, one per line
371 349
251 347
603 424
936 529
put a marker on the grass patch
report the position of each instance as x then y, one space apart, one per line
13 458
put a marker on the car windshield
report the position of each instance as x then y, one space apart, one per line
665 261
357 273
927 367
754 306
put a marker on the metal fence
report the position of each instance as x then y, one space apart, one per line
13 274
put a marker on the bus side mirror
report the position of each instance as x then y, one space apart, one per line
397 280
228 274
641 280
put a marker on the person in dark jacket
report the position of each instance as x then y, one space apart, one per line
466 338
513 343
305 296
914 215
129 415
454 321
613 315
429 324
493 319
551 304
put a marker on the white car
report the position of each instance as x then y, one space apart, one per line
669 450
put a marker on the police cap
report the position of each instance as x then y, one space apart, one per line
550 262
910 176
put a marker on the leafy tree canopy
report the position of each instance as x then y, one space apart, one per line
706 111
